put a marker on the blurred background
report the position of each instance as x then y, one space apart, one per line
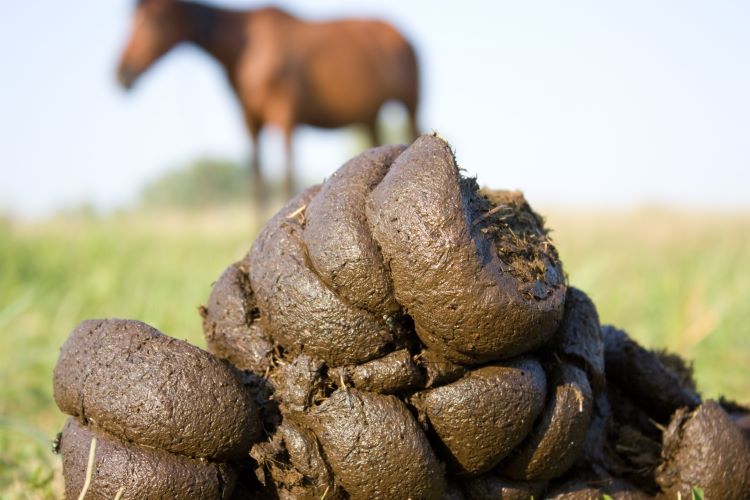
625 124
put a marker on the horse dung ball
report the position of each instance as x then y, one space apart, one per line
394 333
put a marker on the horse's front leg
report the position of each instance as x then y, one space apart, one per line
257 188
289 184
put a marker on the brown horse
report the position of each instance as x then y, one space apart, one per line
284 70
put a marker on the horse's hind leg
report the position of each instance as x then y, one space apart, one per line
258 190
373 133
289 184
413 127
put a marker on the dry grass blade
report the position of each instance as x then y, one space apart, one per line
492 212
297 212
89 469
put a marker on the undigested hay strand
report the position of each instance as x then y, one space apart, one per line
89 469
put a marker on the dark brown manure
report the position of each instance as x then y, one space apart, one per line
154 390
467 304
481 417
375 447
395 332
133 471
554 444
705 448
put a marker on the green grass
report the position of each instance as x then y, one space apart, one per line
53 275
672 280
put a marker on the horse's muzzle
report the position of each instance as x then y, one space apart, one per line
126 77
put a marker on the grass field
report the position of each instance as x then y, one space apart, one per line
673 280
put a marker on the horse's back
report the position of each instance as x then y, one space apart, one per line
335 72
350 67
376 43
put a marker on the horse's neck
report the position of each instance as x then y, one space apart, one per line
219 32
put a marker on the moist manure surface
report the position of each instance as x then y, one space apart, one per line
394 333
518 235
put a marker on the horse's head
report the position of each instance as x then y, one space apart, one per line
157 26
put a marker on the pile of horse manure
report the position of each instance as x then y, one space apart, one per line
393 333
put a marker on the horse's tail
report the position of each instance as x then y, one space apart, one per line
404 76
411 85
398 66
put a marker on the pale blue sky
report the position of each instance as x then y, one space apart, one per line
577 102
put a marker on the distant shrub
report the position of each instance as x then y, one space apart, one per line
204 182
